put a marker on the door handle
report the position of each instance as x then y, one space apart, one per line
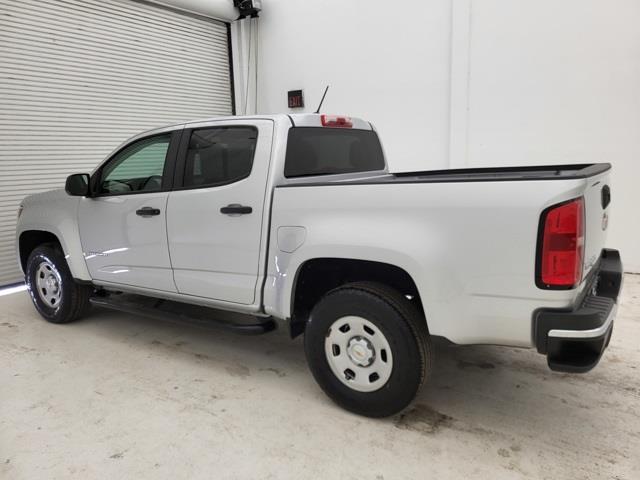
236 209
148 212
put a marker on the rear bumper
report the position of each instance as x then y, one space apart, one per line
574 340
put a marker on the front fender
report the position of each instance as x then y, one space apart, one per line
55 212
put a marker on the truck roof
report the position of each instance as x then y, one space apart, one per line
296 119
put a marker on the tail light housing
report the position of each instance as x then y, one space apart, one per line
336 121
561 246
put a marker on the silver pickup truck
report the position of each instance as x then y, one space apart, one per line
295 220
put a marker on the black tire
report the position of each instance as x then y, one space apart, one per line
73 300
406 333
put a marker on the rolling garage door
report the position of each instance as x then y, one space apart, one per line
77 77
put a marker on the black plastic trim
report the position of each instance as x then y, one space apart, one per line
499 174
592 313
582 170
232 84
170 162
610 274
70 188
578 355
236 210
157 308
605 196
181 158
148 212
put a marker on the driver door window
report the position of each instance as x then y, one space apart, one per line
138 168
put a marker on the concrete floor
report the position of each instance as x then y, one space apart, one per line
116 396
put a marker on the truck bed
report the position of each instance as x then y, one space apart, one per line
468 237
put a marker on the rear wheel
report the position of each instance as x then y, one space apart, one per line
368 348
56 296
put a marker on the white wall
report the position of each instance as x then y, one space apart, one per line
559 82
455 83
388 65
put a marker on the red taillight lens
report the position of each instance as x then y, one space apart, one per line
562 251
336 121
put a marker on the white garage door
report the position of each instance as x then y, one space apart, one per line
77 77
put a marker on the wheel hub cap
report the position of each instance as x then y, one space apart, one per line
361 351
48 283
358 354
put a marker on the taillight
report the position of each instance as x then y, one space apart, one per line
336 121
561 245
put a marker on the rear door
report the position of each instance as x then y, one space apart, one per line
215 213
123 226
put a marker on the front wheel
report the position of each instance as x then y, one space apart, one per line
368 348
56 296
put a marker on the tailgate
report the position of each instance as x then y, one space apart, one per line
597 201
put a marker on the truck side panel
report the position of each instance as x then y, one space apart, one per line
469 247
57 213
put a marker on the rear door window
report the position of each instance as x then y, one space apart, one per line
219 156
326 151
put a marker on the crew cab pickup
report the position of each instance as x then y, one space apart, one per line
295 220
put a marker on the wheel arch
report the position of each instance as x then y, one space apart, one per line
30 238
317 276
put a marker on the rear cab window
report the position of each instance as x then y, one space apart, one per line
330 151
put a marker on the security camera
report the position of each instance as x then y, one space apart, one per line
248 8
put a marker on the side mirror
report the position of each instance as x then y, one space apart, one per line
77 185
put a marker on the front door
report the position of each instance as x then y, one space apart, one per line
215 214
123 226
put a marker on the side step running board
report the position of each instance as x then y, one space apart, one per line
184 313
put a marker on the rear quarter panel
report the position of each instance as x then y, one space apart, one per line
470 247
